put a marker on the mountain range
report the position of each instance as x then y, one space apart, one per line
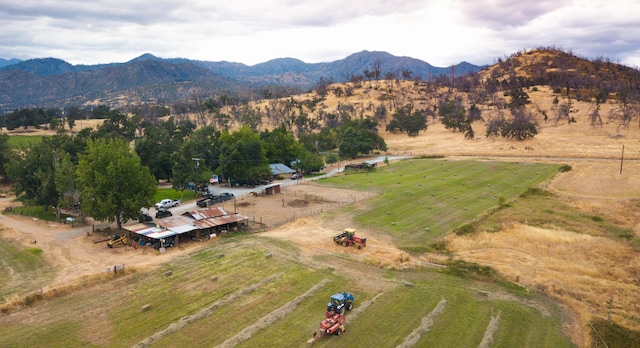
51 82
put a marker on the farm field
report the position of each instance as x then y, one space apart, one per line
210 298
273 287
426 198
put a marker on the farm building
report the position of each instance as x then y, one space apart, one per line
267 190
195 224
278 169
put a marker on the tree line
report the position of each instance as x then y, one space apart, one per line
112 171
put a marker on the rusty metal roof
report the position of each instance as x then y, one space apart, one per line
220 220
189 221
206 213
173 221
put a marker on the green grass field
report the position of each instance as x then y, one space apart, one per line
238 282
425 199
18 141
183 196
22 268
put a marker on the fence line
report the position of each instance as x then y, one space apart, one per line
326 206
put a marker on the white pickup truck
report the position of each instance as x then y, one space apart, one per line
167 203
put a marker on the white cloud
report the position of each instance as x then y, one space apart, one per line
439 32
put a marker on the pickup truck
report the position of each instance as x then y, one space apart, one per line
167 203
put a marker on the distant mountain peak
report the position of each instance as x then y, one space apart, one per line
145 56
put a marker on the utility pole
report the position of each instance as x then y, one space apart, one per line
196 185
621 159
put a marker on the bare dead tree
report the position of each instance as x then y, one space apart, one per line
377 68
594 116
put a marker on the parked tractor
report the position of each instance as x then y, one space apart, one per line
339 302
348 238
117 240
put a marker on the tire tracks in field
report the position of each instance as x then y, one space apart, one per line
272 317
203 313
424 327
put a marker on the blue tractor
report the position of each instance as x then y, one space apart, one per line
339 302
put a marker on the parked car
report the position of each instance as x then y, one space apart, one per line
225 196
167 203
205 202
296 176
145 218
163 212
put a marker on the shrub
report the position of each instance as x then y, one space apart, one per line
465 229
614 334
331 158
470 270
502 203
439 245
534 191
564 168
35 251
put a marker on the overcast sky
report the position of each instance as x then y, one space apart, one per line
439 32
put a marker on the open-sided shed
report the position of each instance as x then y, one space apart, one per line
201 223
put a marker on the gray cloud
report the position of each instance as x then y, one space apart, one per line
500 14
252 31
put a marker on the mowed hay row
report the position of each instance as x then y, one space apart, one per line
299 326
387 319
203 313
227 322
469 314
111 313
425 325
279 314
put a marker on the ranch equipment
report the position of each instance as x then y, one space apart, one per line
333 324
339 302
348 238
117 240
163 243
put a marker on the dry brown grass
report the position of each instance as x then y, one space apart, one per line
581 271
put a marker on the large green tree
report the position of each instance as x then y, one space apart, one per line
406 119
359 136
281 146
158 145
523 126
64 180
243 158
31 170
114 184
204 144
116 124
5 153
